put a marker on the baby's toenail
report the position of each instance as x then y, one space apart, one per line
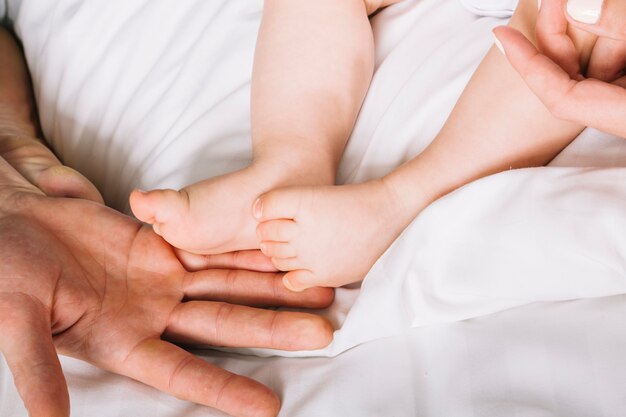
290 286
263 247
257 209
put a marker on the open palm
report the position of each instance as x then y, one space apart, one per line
94 284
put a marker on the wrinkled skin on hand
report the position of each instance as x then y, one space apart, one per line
96 285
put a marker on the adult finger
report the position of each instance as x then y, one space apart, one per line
223 324
190 378
553 38
608 60
590 102
26 342
11 180
252 260
604 18
37 164
259 289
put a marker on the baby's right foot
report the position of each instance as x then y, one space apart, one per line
328 236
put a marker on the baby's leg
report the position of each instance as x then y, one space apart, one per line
333 235
313 64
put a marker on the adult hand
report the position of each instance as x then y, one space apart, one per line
19 131
86 281
554 77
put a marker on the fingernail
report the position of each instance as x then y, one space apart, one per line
585 11
538 4
257 209
498 44
289 286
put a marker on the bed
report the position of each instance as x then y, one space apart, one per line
505 298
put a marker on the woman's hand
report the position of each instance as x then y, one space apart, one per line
554 74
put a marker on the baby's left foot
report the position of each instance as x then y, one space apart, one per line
328 236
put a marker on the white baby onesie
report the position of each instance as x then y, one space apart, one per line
494 8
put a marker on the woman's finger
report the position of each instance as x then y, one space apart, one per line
608 60
223 324
605 18
26 342
590 102
171 369
553 38
258 289
252 260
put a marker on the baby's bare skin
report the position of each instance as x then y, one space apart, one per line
213 216
313 64
331 236
311 231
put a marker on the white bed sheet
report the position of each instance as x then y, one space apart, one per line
559 358
543 360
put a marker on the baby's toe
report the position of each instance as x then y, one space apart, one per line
278 250
300 280
277 230
280 204
158 206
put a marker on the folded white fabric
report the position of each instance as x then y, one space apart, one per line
138 93
494 8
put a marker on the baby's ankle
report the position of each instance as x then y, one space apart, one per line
295 168
408 197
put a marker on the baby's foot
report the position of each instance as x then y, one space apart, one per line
213 216
328 236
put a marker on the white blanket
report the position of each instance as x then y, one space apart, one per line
155 93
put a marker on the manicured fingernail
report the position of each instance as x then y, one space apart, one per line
585 11
257 209
289 286
498 44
